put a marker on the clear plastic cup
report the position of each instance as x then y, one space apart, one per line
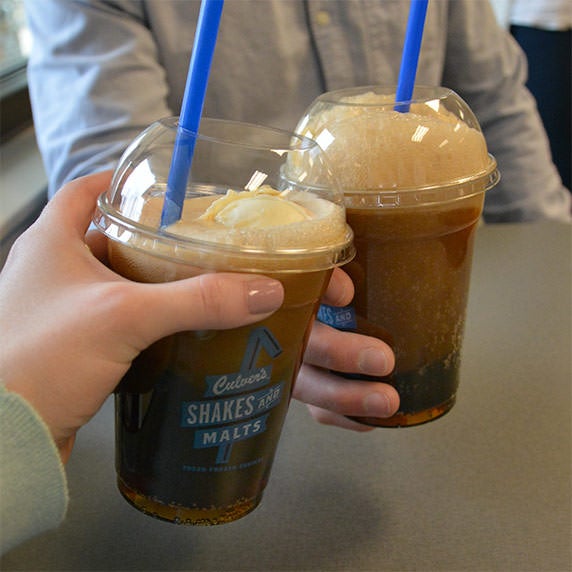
414 185
199 414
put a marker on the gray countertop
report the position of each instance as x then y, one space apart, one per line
487 487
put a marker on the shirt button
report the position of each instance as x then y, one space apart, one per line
323 18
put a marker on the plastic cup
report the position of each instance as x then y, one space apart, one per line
199 414
414 185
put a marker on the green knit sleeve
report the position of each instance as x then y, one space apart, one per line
33 486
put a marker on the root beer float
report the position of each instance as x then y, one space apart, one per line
414 185
199 413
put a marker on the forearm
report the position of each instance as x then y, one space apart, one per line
33 495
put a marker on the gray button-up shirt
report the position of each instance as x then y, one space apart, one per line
101 71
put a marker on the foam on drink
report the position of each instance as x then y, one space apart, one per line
381 148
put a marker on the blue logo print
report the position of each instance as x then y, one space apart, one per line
239 396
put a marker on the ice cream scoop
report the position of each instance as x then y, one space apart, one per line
263 208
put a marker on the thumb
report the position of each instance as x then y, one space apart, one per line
209 301
72 206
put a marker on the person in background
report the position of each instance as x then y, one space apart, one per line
75 327
543 28
101 71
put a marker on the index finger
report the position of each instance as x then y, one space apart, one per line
340 291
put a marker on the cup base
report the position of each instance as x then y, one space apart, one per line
405 419
189 516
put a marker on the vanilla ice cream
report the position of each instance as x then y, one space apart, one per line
263 218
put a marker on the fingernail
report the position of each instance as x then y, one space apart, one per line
372 361
377 405
264 295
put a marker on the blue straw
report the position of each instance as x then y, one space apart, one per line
410 56
191 109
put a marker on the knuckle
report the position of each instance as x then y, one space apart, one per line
113 299
213 295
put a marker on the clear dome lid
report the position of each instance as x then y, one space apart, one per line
400 157
236 160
